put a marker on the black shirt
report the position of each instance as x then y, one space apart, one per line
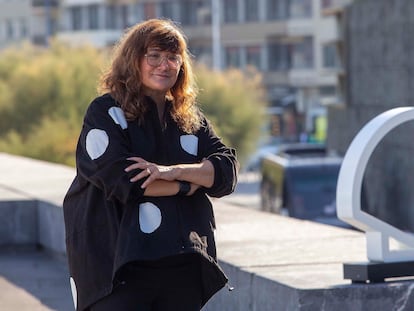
109 222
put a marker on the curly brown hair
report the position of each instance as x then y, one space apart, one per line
122 78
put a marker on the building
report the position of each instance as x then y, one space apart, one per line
27 21
289 41
44 20
15 18
293 43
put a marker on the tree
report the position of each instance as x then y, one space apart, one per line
235 103
45 92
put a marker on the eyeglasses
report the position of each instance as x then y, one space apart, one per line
155 59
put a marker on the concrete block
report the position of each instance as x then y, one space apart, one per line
51 227
270 295
358 297
18 222
240 298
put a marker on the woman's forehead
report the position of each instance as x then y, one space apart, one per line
162 49
165 43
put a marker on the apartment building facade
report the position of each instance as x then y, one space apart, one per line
15 18
289 41
32 21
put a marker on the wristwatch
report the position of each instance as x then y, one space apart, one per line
185 187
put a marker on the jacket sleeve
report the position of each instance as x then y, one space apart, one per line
103 149
223 159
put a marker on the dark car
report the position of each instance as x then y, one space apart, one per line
300 181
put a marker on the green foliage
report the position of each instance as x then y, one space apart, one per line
44 94
52 140
43 97
234 101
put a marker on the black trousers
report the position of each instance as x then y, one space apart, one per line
171 284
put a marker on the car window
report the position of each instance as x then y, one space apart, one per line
313 192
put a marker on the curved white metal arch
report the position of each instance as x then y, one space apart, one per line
348 192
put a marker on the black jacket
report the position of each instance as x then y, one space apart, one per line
109 222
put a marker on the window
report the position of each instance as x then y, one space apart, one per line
300 8
9 29
76 17
253 56
111 17
137 11
327 91
93 16
252 10
276 9
279 57
232 57
302 54
189 11
167 10
230 11
124 16
24 32
330 57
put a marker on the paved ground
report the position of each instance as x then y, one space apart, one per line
31 280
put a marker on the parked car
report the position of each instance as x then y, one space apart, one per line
300 181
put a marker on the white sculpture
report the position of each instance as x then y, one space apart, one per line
348 194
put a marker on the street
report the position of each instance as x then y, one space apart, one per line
247 191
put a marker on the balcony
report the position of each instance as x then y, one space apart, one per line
334 7
252 32
311 78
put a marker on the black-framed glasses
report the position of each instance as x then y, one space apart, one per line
154 59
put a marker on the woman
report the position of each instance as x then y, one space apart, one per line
139 224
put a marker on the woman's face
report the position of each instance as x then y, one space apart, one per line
159 70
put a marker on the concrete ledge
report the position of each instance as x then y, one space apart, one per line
296 272
274 263
31 196
51 232
17 223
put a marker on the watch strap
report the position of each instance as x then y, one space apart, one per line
185 187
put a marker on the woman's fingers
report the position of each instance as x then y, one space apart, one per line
140 163
150 171
141 175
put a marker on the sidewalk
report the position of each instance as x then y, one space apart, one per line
31 280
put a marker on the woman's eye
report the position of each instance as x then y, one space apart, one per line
154 55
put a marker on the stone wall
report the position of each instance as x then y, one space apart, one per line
379 57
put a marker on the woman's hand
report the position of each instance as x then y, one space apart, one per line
150 170
201 174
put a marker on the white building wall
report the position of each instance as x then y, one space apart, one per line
15 22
